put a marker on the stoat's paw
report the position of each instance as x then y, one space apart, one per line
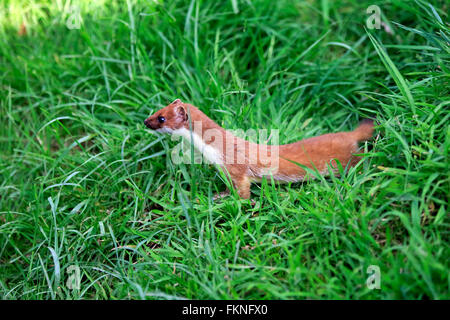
221 195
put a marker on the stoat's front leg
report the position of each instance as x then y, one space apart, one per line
240 180
242 185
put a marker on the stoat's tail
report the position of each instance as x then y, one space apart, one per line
364 131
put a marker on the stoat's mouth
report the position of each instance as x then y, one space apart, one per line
164 130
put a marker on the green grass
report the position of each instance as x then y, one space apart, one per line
83 183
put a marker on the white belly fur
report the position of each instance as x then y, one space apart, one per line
211 154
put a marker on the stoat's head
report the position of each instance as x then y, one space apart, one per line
169 118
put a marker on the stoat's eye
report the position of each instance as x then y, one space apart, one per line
161 119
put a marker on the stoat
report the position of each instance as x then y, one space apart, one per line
248 162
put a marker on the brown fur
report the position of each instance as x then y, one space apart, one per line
314 152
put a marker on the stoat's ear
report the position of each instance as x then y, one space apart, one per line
177 101
182 112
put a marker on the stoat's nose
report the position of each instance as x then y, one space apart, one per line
147 124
